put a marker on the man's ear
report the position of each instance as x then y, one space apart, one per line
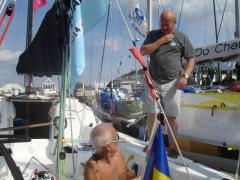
108 147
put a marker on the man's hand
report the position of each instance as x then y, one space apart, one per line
149 48
165 39
182 82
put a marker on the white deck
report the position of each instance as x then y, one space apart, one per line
38 154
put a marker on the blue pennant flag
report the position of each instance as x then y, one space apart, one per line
84 16
157 165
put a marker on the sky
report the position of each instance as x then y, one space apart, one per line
197 21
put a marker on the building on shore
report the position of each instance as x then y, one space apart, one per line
11 89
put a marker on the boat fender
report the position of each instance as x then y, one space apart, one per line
56 120
62 155
135 168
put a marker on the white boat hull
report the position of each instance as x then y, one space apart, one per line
211 117
39 154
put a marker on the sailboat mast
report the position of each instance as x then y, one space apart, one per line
28 78
29 23
237 16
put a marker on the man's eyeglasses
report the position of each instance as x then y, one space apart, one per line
113 140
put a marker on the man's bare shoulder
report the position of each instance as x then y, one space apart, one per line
91 169
91 162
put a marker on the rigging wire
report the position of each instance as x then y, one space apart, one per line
111 29
221 17
226 20
71 123
16 35
103 54
125 22
113 113
160 5
2 5
104 44
11 31
9 12
205 22
91 58
179 19
215 20
64 93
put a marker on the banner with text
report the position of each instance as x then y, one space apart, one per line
218 50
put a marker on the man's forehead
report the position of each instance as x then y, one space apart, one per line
168 15
167 18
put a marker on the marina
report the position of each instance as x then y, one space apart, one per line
45 131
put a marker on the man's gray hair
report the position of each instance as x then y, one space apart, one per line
100 135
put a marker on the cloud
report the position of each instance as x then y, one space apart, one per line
197 19
8 73
8 55
114 43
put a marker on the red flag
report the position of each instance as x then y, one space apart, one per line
148 77
37 4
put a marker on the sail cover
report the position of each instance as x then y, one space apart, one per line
43 57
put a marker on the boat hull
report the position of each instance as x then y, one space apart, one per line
211 117
39 154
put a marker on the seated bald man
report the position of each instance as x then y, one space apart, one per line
108 161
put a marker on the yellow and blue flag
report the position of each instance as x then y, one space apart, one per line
84 15
157 164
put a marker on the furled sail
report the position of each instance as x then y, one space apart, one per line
43 57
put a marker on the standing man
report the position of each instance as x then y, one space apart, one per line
166 47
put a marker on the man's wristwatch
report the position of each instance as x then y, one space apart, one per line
185 75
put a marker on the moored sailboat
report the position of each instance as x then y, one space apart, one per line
64 155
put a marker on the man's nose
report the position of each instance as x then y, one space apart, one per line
164 27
